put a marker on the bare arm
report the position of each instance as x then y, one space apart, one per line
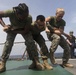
51 28
69 42
63 33
2 22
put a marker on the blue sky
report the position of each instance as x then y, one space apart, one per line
44 7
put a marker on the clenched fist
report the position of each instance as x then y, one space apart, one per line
6 28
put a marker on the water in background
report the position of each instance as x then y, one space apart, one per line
19 48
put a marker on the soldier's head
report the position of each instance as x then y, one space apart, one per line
71 33
21 11
59 13
40 20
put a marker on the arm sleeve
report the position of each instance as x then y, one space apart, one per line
29 20
6 13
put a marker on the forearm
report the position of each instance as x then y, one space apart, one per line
66 35
69 42
51 28
1 20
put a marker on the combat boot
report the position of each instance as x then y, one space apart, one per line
2 66
33 65
68 65
45 63
39 66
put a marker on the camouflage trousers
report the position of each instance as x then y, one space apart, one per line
28 42
41 42
59 40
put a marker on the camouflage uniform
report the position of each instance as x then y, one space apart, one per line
58 40
41 42
39 38
16 24
72 46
